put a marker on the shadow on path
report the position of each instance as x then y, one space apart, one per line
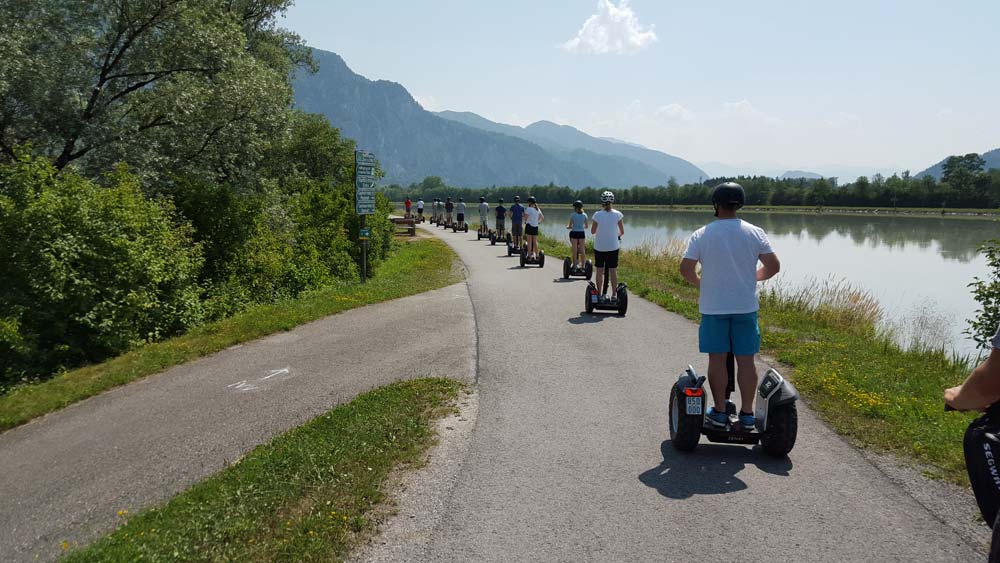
587 318
709 470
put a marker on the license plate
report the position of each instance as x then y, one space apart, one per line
593 298
693 405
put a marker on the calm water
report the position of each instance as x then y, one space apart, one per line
918 267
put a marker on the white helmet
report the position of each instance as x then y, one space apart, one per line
607 197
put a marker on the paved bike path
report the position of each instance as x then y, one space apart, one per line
63 477
569 460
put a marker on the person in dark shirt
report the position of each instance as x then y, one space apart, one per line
501 212
517 221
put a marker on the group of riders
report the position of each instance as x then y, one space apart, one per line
606 226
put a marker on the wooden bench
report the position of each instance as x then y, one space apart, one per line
405 226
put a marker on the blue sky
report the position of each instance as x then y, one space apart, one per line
835 87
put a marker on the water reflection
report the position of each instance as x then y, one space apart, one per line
955 239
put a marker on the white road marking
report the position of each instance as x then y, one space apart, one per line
275 372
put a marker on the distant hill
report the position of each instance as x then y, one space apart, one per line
800 174
412 143
992 159
617 163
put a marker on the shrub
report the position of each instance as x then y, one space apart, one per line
89 271
987 293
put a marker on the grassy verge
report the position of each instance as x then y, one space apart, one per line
852 372
306 496
417 266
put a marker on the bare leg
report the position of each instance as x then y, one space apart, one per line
718 379
600 279
614 279
746 376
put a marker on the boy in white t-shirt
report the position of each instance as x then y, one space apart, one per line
729 249
608 227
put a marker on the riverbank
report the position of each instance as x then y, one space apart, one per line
851 371
952 213
415 267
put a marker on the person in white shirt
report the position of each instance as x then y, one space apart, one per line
608 228
532 217
729 249
484 216
420 210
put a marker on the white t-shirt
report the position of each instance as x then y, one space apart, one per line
420 204
606 239
532 216
728 250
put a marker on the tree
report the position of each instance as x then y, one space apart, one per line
164 85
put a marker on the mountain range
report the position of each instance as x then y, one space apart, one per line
467 150
992 159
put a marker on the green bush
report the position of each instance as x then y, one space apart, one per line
987 293
89 271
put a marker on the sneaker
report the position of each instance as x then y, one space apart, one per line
716 418
748 421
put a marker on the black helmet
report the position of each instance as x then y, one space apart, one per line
482 199
517 198
531 199
460 199
728 196
578 204
449 199
500 200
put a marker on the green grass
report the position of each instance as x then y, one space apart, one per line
308 495
852 372
415 267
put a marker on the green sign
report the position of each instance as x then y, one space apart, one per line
364 234
364 183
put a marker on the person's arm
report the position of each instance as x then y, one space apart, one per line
621 228
569 225
980 390
593 227
688 272
770 266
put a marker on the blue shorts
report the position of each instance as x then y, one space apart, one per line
738 334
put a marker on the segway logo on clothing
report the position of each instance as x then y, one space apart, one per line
992 463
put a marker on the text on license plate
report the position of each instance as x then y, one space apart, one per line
693 405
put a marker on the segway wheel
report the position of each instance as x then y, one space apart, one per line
541 258
782 427
566 268
510 250
522 258
685 429
466 228
588 269
622 301
508 238
588 300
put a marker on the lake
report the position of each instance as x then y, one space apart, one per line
917 266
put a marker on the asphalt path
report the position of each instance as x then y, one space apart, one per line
64 477
570 459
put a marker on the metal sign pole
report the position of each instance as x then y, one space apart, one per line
364 201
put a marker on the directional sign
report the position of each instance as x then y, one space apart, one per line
363 234
364 183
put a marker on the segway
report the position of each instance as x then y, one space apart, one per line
568 270
981 445
483 232
494 237
776 415
601 302
527 261
464 228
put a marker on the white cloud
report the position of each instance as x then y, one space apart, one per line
614 29
946 112
675 112
429 103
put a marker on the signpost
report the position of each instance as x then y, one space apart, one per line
364 200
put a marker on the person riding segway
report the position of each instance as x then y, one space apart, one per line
449 209
484 215
981 392
420 210
578 265
608 227
459 224
408 205
516 215
501 230
729 250
529 252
